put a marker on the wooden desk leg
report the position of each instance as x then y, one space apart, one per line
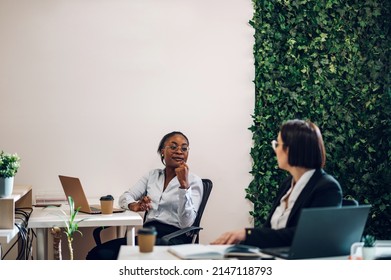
42 241
130 236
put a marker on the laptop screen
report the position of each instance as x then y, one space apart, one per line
326 232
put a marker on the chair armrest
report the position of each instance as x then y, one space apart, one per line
166 239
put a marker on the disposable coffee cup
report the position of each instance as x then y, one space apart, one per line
106 204
146 238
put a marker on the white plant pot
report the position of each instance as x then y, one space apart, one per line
368 253
6 186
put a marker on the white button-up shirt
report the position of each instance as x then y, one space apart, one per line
173 206
282 212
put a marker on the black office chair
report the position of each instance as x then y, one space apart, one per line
192 231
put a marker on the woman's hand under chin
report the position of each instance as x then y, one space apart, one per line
182 173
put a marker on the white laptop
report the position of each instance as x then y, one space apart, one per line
72 187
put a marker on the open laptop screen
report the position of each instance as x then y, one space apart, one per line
325 232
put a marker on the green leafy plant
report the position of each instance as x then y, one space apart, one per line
71 225
369 240
329 62
9 164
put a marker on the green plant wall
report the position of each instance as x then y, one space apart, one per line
327 61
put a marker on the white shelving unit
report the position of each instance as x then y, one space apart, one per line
21 197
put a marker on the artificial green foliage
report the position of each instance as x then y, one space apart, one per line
327 61
9 164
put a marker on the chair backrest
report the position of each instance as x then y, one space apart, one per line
208 185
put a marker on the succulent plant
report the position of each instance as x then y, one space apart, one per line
369 240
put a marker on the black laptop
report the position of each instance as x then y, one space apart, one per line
324 232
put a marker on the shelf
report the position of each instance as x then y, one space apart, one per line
21 197
6 235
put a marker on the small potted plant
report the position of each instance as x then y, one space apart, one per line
9 165
369 249
71 227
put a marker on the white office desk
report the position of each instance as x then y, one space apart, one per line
127 252
43 219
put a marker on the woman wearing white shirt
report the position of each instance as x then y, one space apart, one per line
300 151
171 196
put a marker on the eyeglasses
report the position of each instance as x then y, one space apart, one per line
174 148
275 144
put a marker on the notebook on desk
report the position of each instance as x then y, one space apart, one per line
72 187
324 232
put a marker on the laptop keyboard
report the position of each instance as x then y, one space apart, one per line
95 210
277 251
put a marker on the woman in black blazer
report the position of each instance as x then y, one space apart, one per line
300 151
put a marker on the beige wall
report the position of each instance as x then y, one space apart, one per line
89 87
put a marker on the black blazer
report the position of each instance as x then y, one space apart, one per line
322 190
